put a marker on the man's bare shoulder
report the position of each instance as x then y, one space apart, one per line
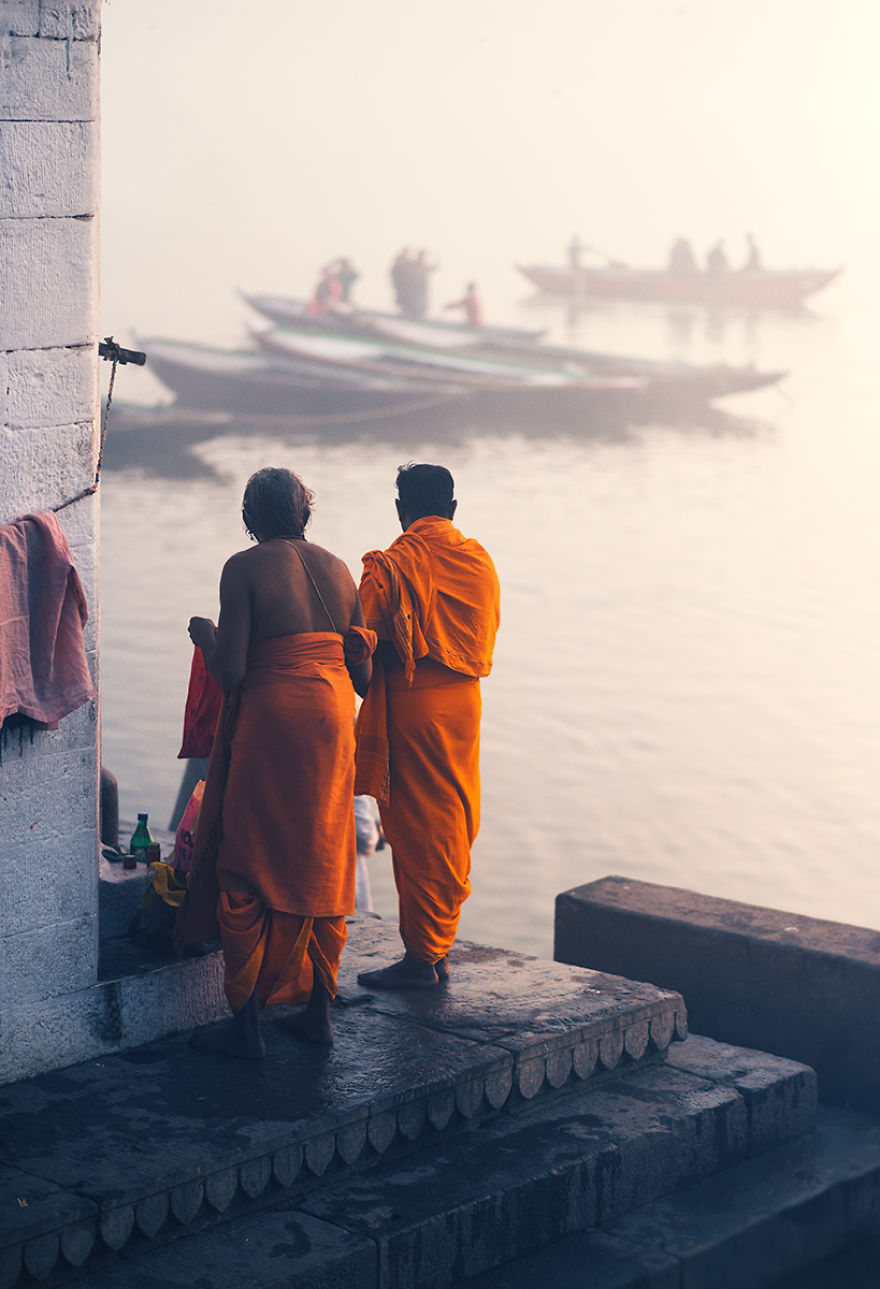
242 563
320 557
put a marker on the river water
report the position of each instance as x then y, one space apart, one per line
686 687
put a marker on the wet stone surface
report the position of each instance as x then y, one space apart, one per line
503 997
161 1133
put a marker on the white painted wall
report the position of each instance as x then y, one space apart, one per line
49 429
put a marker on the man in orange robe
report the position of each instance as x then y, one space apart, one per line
433 599
274 861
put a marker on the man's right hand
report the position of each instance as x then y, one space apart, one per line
202 632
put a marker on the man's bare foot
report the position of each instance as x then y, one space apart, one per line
442 969
227 1041
408 973
313 1021
316 1029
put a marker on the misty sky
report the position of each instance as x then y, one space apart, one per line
245 145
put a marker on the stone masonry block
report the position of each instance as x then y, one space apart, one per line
59 959
85 557
70 19
19 17
81 524
47 168
51 1034
49 282
43 468
48 80
48 796
45 882
76 732
780 1095
109 1016
174 997
760 978
51 386
120 892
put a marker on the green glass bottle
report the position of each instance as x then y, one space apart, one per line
141 838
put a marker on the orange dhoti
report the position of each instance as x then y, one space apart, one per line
432 814
433 600
274 863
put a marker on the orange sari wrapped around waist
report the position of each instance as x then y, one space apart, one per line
274 860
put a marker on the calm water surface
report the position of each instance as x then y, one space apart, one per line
686 687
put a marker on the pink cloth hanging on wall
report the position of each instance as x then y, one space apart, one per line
44 674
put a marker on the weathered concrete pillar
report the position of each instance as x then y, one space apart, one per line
49 430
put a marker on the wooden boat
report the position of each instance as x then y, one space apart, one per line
289 311
739 288
245 381
670 379
524 365
303 372
378 356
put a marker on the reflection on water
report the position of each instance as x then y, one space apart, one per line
685 687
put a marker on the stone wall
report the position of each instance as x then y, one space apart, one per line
49 431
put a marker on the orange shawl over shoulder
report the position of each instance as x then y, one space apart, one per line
432 594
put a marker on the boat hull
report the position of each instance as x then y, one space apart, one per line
261 390
739 289
288 311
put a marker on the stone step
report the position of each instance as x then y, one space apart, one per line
858 1267
803 1216
149 1143
511 1185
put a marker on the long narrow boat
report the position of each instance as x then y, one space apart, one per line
247 382
669 378
377 356
740 288
479 362
290 311
669 382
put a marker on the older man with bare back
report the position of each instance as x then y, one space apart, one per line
274 862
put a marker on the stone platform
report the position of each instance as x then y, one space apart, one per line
528 1122
109 1154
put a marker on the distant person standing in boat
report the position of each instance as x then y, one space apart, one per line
400 277
471 304
347 275
421 281
274 861
575 254
716 260
682 260
753 262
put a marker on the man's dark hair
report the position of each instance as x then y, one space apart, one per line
276 504
425 490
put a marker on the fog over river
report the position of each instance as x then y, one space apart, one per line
686 687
